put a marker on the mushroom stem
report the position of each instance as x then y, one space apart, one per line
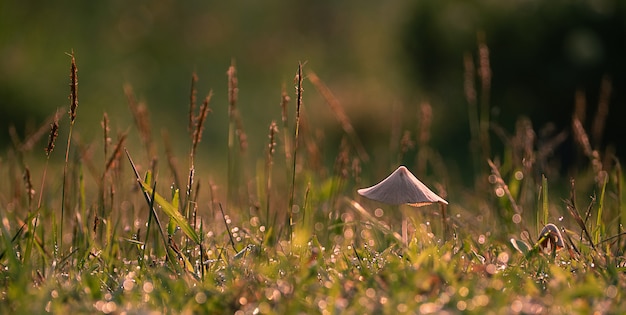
444 220
405 230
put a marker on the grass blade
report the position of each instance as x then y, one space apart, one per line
172 212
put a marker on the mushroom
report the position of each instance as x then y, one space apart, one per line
550 238
401 187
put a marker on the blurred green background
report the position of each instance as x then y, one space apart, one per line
380 59
156 45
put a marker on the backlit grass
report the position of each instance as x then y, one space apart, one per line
129 233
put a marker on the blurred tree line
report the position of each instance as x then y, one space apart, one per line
372 55
540 52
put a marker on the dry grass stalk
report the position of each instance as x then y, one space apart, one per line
233 112
241 137
356 170
73 88
188 196
573 210
546 148
54 133
233 89
113 161
284 102
484 70
236 169
142 120
30 191
425 119
471 97
340 114
311 138
341 170
581 137
32 139
298 85
484 73
523 144
406 143
192 102
73 106
342 161
271 148
105 131
580 105
469 86
199 123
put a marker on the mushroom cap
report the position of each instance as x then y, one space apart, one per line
401 187
552 236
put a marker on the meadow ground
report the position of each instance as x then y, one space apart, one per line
132 233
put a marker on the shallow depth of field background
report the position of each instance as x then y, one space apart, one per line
292 235
380 59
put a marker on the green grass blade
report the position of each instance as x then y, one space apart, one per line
600 227
172 211
545 206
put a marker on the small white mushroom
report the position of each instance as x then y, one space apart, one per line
550 238
401 187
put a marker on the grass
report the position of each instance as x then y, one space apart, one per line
298 240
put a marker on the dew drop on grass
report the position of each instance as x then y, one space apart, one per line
481 239
128 285
402 308
109 307
148 287
319 226
499 192
611 292
200 298
517 306
463 291
461 305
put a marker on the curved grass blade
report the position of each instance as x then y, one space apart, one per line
172 211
